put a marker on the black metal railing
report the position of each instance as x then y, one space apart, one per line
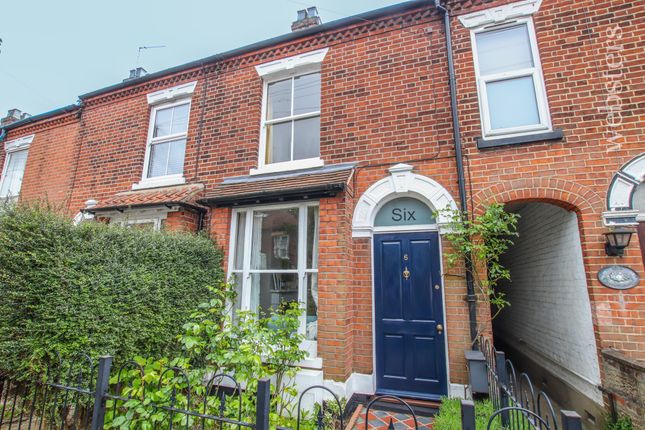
78 394
517 404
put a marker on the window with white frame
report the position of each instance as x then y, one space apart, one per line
275 261
167 140
16 152
290 129
292 119
511 89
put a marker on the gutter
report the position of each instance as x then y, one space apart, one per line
39 117
121 208
471 298
302 193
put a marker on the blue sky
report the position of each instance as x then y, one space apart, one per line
53 51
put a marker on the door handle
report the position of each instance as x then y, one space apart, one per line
439 329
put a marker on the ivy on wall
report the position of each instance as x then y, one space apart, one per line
94 288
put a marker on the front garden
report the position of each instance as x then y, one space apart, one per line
84 291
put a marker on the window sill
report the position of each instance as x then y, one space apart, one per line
482 143
286 166
162 181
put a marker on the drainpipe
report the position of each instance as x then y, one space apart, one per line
470 286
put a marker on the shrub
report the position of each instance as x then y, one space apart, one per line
620 423
94 289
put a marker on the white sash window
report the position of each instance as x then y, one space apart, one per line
274 260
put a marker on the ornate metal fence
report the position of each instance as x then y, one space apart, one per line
517 403
79 394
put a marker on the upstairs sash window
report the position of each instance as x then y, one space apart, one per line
167 143
292 119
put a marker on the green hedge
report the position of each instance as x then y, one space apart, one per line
94 288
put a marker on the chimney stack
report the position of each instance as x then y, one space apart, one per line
136 73
13 115
306 18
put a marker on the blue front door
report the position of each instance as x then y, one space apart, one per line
408 310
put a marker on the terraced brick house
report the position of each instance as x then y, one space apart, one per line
316 160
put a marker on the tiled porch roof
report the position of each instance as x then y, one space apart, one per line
181 195
270 188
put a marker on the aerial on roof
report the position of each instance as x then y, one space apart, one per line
354 19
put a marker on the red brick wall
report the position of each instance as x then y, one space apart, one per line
385 100
51 161
578 45
182 220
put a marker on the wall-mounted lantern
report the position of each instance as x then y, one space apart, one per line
616 241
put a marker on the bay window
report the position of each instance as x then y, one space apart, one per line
274 260
512 95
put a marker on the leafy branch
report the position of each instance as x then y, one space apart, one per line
483 240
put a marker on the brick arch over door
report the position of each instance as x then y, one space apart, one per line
587 205
567 194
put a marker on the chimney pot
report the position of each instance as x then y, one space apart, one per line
13 115
306 18
136 73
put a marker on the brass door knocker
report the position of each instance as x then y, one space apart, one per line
406 273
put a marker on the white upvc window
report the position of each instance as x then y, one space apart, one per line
166 145
510 84
290 129
274 259
167 140
16 152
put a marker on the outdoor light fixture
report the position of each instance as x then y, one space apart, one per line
616 241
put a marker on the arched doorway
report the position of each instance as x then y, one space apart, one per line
410 344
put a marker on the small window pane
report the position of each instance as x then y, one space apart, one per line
504 50
163 120
279 142
176 157
236 280
158 159
275 240
306 139
12 181
313 226
180 118
271 291
512 103
239 240
638 198
307 94
279 100
311 329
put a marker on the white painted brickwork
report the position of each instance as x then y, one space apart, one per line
550 314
